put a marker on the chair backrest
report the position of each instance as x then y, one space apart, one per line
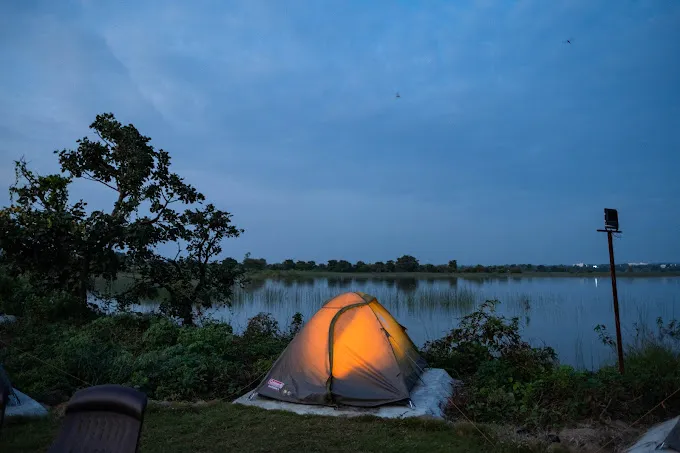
102 418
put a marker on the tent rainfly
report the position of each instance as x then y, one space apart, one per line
352 352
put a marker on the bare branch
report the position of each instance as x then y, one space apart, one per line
108 143
89 177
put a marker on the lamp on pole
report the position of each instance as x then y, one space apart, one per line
611 226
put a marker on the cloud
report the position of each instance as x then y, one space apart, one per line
286 112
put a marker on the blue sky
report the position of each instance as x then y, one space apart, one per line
505 145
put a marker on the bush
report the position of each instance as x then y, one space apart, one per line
505 378
152 353
508 380
20 298
483 337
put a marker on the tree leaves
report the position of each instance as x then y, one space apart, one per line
60 246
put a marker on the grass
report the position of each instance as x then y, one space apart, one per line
273 298
125 279
226 427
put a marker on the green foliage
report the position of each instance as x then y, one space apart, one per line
254 264
162 358
18 297
406 263
59 246
409 264
481 337
295 325
505 379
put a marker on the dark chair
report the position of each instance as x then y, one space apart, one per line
103 418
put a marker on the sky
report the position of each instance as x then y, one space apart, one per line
504 146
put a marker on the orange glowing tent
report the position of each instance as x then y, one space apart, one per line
351 352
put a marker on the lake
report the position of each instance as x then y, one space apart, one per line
558 312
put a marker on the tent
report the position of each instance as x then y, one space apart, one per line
351 352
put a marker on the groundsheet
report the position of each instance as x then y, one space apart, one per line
429 399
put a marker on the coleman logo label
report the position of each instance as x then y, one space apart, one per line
274 384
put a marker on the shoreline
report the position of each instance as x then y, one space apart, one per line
448 276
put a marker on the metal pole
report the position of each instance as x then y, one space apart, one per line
612 267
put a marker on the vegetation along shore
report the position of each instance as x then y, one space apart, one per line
467 275
54 253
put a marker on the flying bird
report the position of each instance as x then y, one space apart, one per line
568 41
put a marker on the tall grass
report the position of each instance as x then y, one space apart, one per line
561 315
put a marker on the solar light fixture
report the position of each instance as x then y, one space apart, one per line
611 219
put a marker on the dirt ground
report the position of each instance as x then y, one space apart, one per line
611 437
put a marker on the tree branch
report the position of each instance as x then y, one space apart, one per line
153 220
108 143
40 195
205 250
92 178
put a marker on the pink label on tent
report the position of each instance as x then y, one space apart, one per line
274 384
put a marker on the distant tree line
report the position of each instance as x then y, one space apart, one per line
408 263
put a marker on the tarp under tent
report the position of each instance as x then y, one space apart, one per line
18 403
663 437
351 352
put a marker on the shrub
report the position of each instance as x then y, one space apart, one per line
505 378
508 380
152 353
482 337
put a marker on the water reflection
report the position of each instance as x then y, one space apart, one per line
255 284
560 312
338 282
479 282
407 285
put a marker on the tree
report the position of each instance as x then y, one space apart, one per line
378 266
288 265
305 265
360 266
406 263
254 264
431 268
58 245
453 266
344 266
230 261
